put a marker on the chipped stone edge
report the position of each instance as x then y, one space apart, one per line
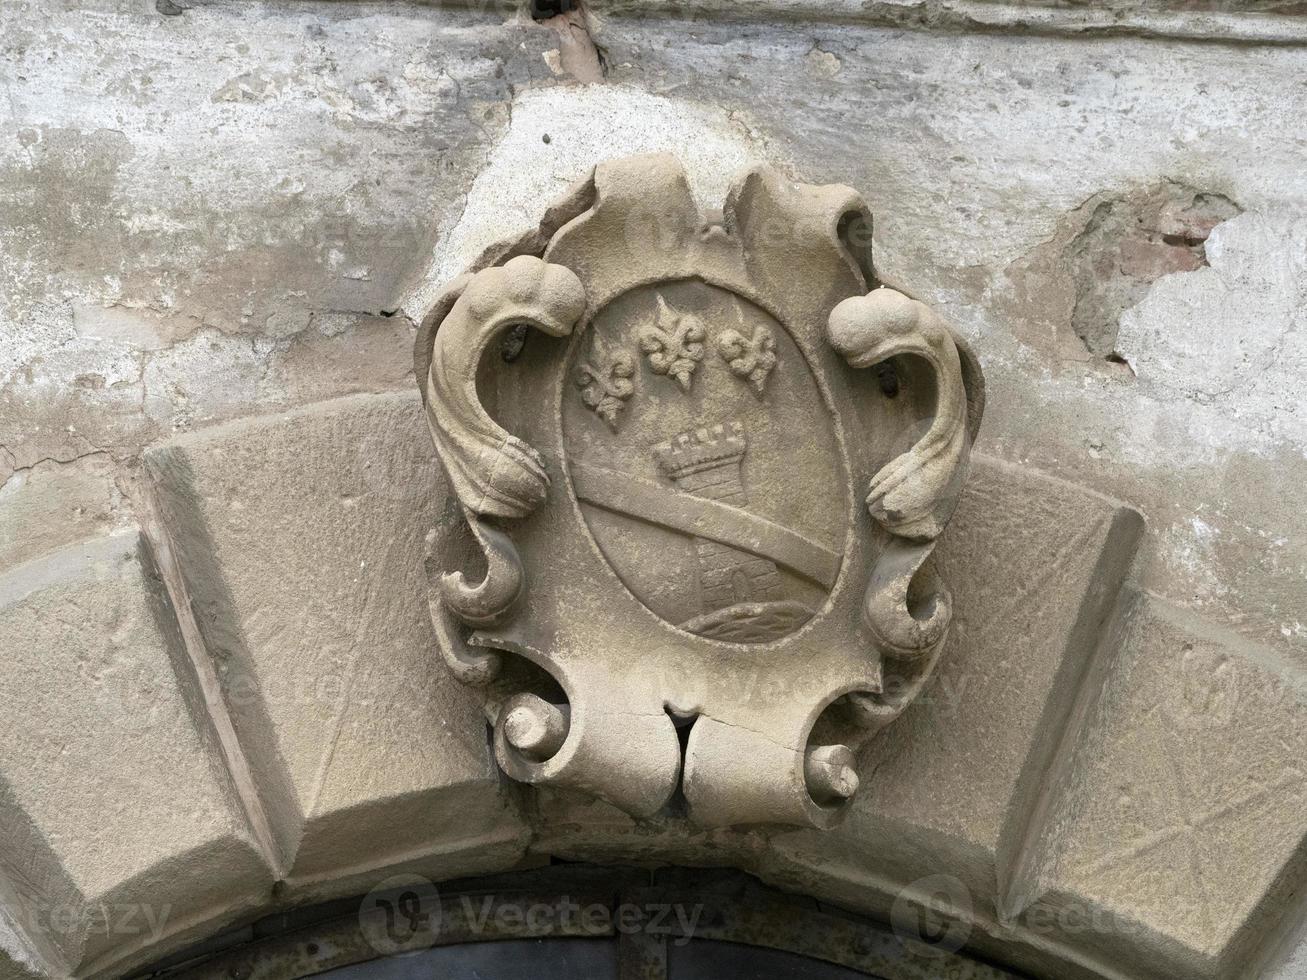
986 16
204 683
1091 654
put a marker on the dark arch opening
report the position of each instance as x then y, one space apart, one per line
572 920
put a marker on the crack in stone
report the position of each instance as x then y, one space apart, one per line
15 470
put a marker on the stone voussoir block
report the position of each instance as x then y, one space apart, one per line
122 829
1181 834
1035 565
300 540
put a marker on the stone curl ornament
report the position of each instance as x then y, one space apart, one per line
661 574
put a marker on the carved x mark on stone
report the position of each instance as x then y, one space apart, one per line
673 343
1198 825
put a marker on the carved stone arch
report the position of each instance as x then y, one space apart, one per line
233 706
322 767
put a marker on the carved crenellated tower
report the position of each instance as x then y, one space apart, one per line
707 463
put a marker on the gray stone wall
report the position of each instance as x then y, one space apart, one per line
218 219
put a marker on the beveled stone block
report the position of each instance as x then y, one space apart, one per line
121 825
1184 819
53 505
1034 565
300 538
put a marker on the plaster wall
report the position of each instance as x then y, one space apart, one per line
229 210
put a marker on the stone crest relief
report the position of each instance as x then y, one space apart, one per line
693 553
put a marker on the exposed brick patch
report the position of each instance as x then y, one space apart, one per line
1127 243
1069 293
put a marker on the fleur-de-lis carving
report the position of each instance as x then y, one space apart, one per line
606 389
751 358
673 344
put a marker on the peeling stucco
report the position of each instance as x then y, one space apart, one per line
556 135
1233 336
209 215
1106 255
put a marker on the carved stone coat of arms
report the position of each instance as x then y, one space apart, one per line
700 461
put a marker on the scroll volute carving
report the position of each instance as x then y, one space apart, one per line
912 497
675 511
492 473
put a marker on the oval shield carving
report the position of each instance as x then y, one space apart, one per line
700 500
706 479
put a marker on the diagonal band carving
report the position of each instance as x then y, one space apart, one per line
702 517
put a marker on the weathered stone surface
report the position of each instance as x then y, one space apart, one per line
719 409
972 151
1105 257
215 254
11 969
1199 20
216 217
1296 966
1034 565
56 504
300 540
192 206
598 122
1182 827
935 908
121 824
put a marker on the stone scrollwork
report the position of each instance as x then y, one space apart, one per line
492 473
913 495
637 555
